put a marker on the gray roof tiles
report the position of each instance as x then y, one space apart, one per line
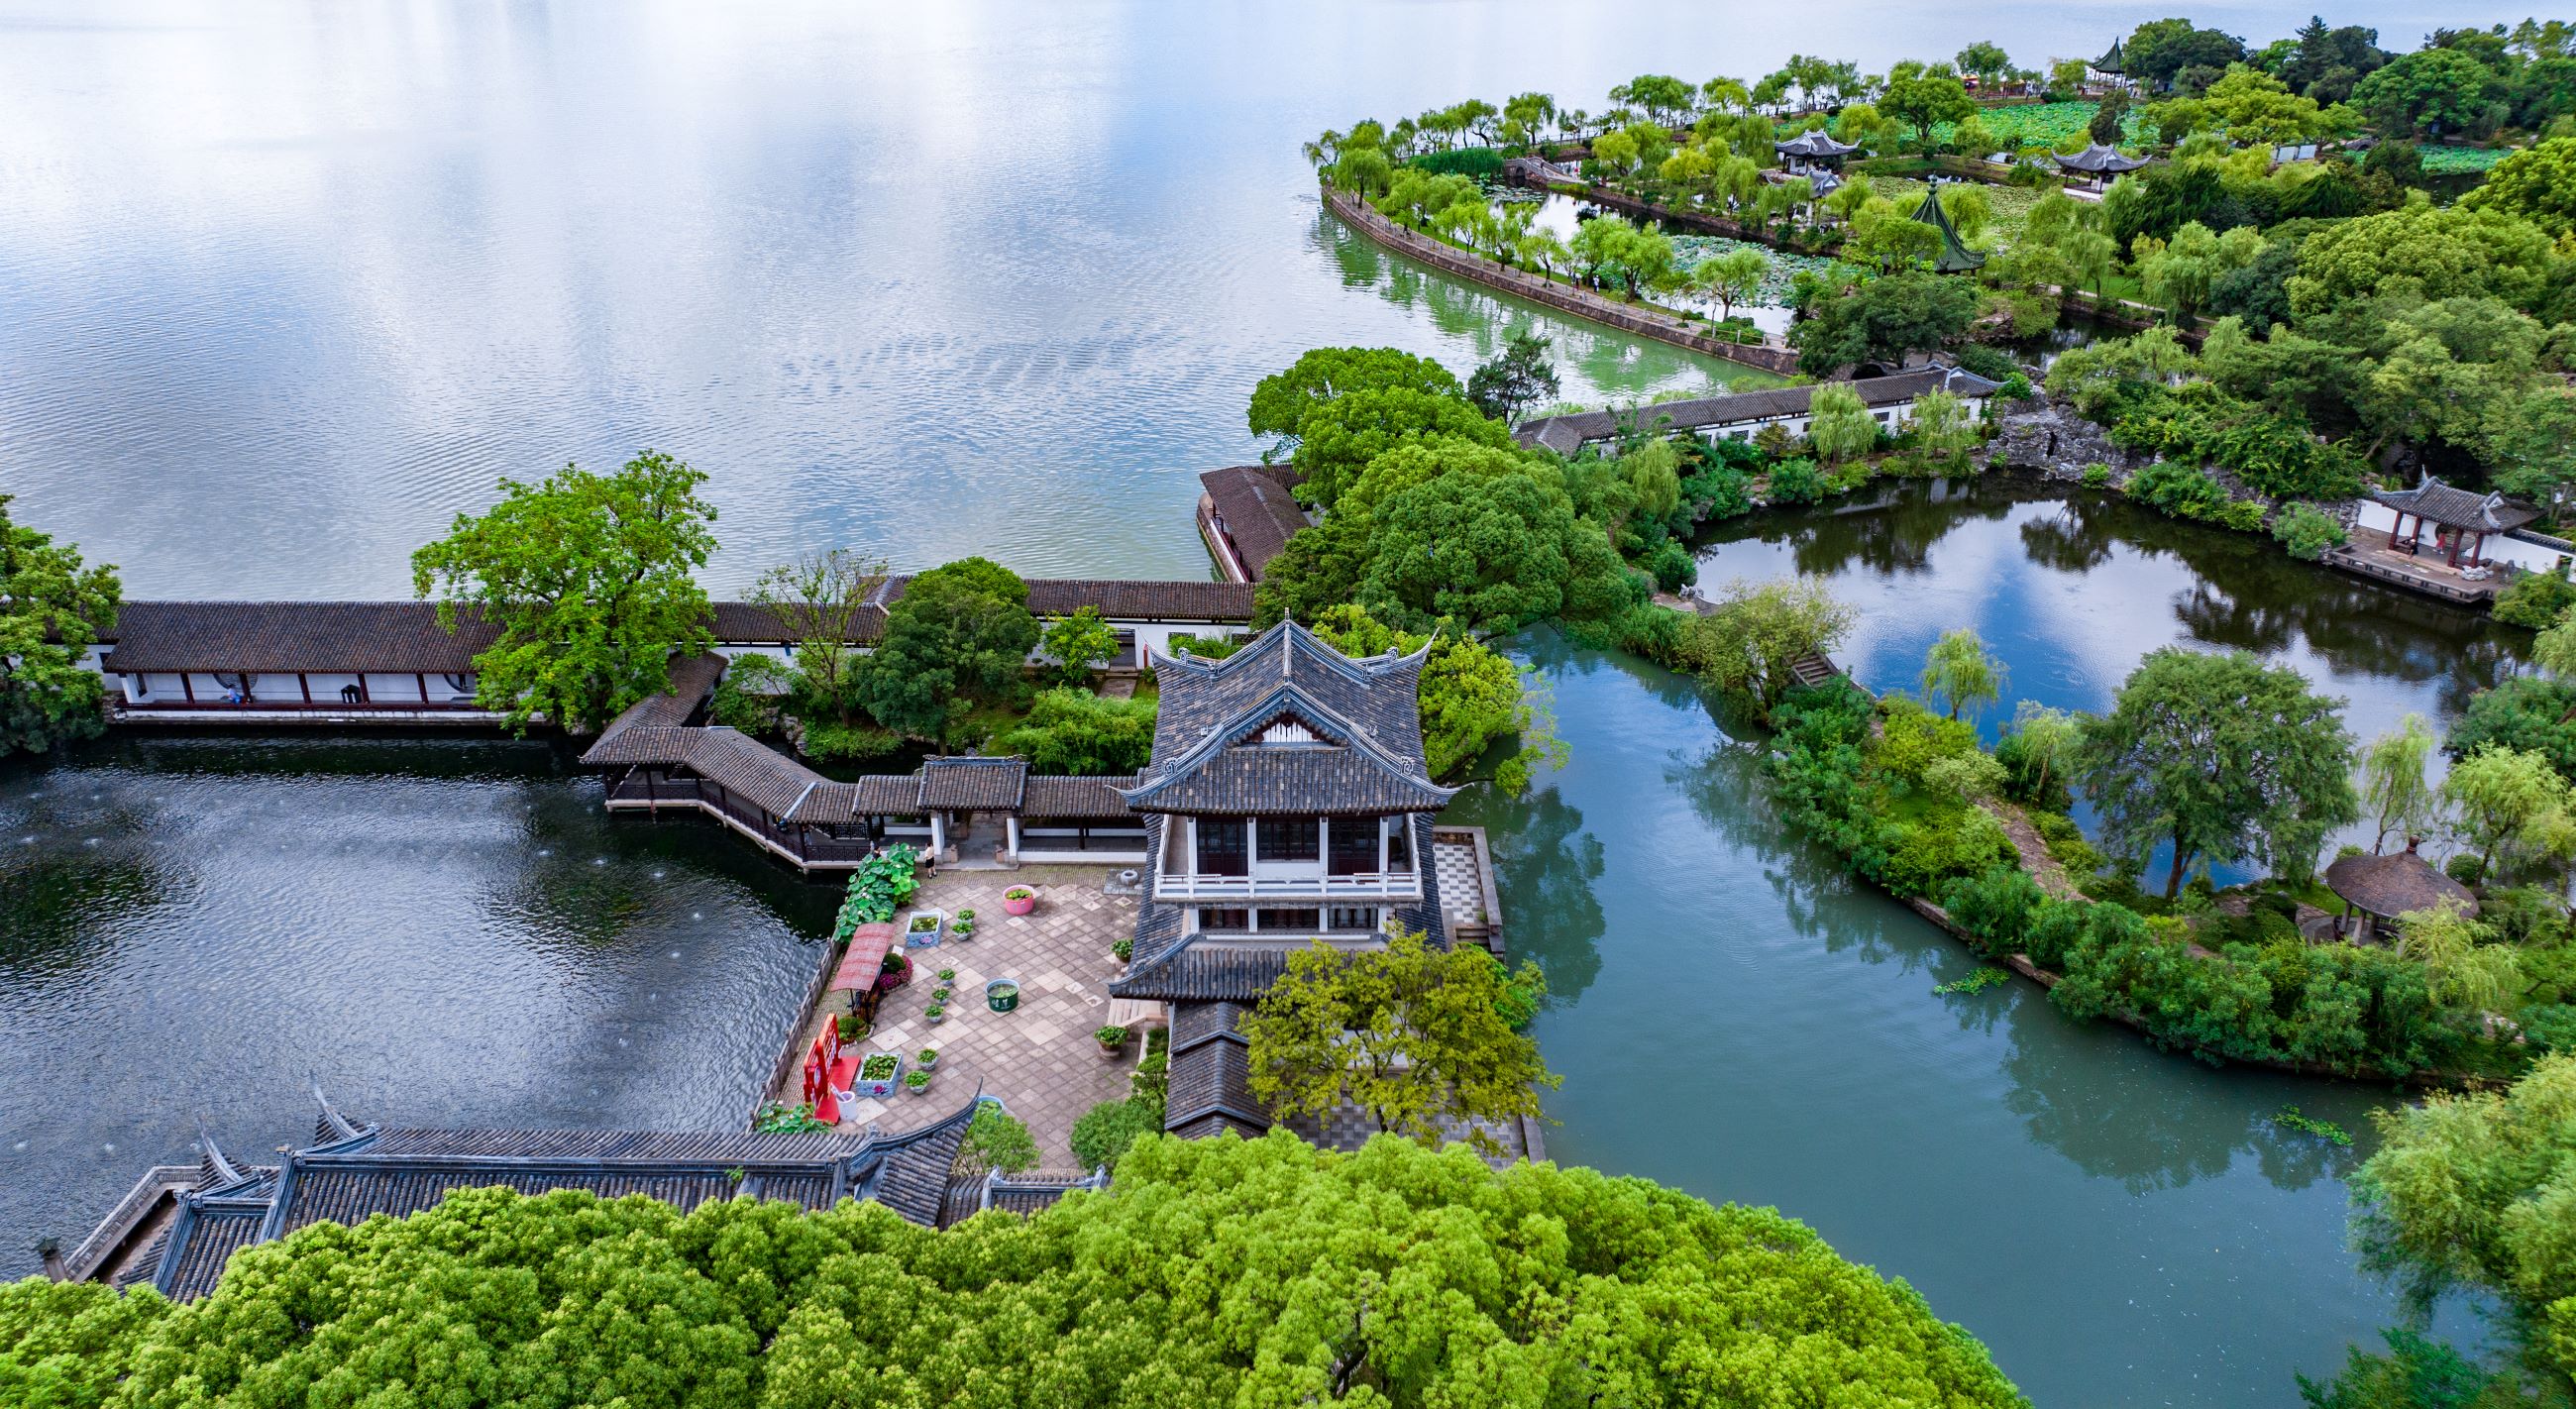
1365 753
1567 434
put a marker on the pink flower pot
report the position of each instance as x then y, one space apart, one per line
1019 905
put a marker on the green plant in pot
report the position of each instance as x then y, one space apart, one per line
1123 950
917 1081
927 1059
947 975
1112 1040
1002 994
937 1013
850 1026
1019 900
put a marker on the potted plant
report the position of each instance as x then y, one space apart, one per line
947 975
963 926
937 1013
877 1075
895 974
851 1027
1123 951
1112 1040
922 930
1002 994
940 994
917 1081
927 1059
1019 900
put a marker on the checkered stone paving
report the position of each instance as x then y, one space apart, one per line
1040 1059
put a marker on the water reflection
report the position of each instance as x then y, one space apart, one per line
2121 1225
1595 364
441 931
2072 586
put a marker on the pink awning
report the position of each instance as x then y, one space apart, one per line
866 959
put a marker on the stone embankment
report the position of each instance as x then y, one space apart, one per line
1564 298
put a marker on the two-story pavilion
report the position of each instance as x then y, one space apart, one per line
1287 802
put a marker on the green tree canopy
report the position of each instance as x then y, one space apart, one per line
1211 1272
590 579
2514 809
52 610
822 600
1471 695
1757 631
1414 1037
1281 400
2426 252
1080 734
959 636
2479 1191
2538 184
2397 796
1883 320
1492 552
1514 380
1079 642
1960 671
1338 439
2223 757
1925 100
2432 91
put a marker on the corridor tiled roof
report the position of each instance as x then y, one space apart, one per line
1258 512
358 1172
315 638
1567 434
972 784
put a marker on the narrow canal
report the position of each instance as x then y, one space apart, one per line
1736 1017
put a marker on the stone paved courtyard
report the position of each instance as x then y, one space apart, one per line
1040 1060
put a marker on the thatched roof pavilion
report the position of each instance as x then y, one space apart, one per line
2381 888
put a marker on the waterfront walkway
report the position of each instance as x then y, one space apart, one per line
1643 321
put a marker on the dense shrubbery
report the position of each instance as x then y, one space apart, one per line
2527 712
2271 452
1076 732
1882 802
2263 993
1215 1272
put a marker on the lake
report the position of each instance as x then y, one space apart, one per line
284 288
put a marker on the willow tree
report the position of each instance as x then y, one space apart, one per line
822 602
2222 758
1839 423
2397 795
1960 671
591 581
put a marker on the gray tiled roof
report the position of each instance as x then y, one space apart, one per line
336 638
1567 434
1211 1072
972 784
2099 160
314 638
2454 507
1257 509
1051 796
1364 717
1816 143
398 1172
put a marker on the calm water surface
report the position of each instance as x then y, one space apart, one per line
282 288
192 931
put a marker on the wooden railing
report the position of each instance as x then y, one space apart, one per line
1359 885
